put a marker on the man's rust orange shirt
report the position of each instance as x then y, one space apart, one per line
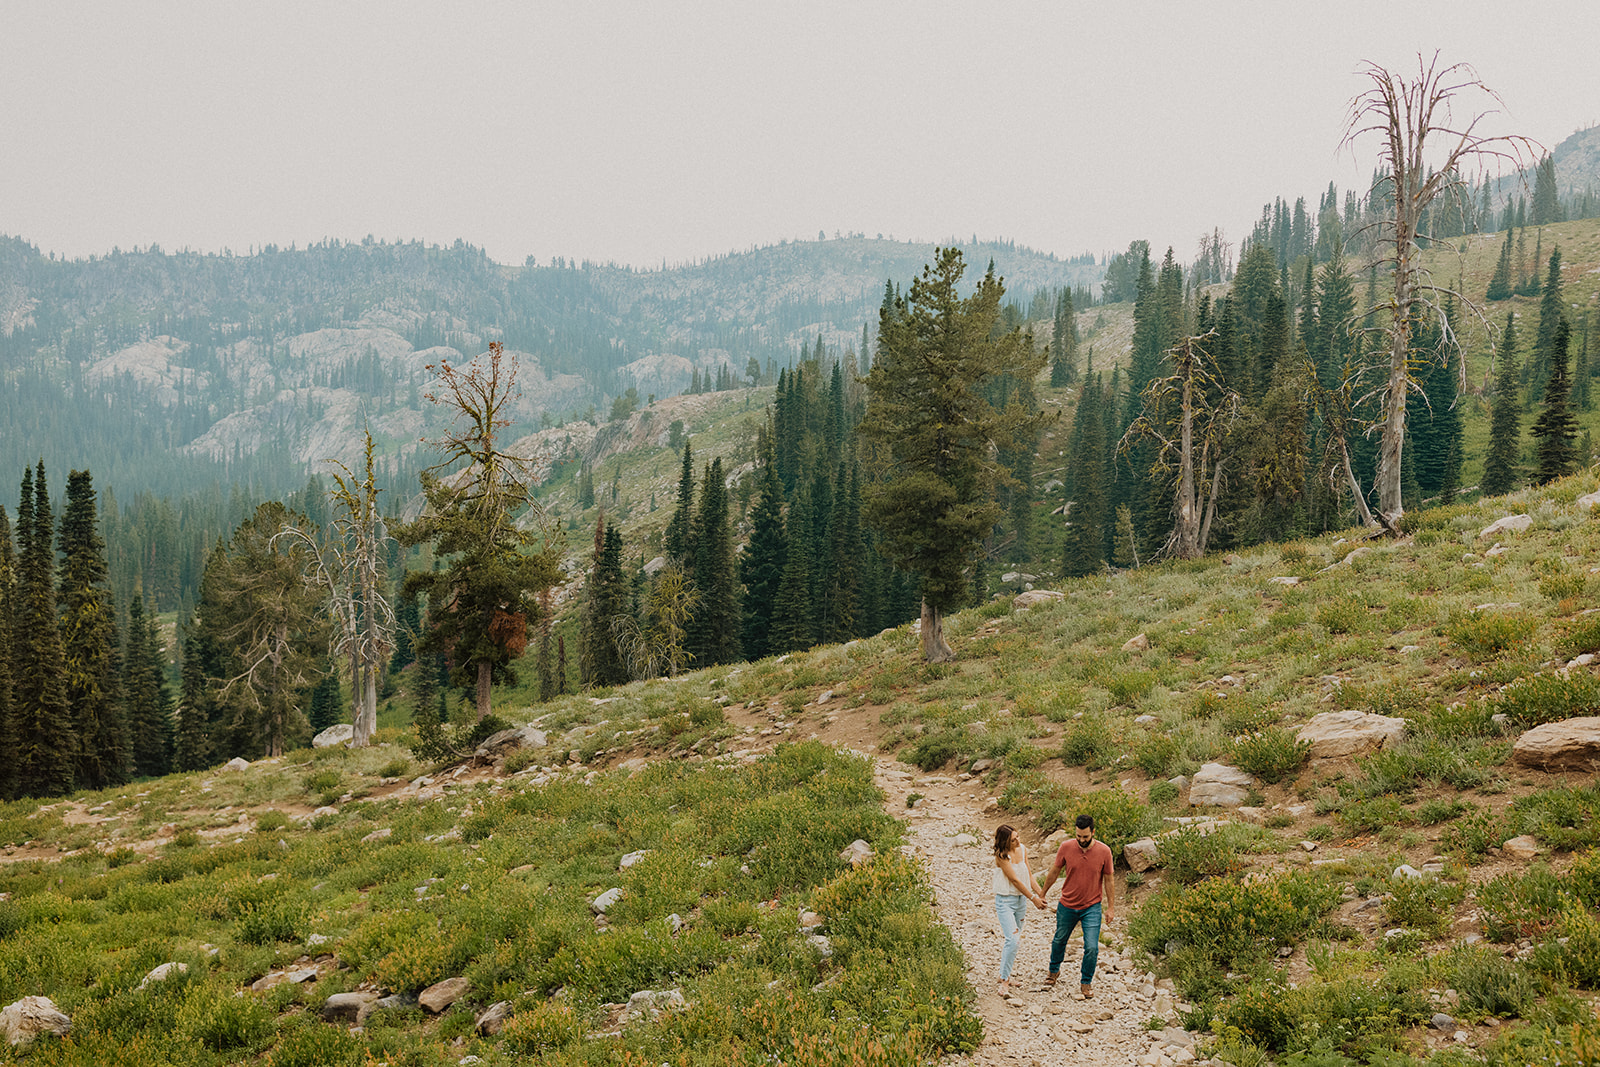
1081 871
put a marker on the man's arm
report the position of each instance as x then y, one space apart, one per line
1108 891
1051 877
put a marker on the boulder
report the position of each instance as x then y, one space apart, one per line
1035 597
1284 579
162 973
964 840
377 835
337 734
650 1003
1350 733
345 1007
1509 524
858 853
606 899
440 995
493 1019
237 763
821 943
1523 849
25 1019
529 736
1406 872
1219 785
1589 500
1136 643
393 1002
631 858
1141 854
1568 745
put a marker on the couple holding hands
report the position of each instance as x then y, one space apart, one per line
1087 896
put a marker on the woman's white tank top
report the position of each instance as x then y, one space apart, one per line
1002 884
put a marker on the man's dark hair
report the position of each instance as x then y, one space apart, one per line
1086 822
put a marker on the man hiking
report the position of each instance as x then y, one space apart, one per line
1086 892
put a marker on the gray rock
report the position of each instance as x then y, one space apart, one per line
377 835
1034 597
1406 871
1441 1021
1589 500
821 943
1567 745
162 973
1141 854
606 899
493 1018
1136 643
1219 785
440 995
981 765
338 734
23 1020
1349 733
1509 524
393 1002
964 840
650 1003
345 1007
1522 849
631 858
237 763
858 853
529 736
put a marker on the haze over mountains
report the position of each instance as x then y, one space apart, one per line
161 371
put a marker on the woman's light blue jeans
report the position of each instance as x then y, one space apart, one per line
1012 910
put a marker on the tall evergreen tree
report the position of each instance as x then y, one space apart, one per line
678 540
1085 548
761 564
1556 428
1551 313
89 641
1500 283
144 688
713 632
46 743
842 580
600 659
8 594
794 624
1546 207
1064 341
192 744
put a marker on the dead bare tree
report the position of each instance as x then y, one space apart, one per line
349 564
1412 117
1192 401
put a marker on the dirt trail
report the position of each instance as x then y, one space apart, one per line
1036 1026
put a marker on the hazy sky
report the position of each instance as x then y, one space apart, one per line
650 132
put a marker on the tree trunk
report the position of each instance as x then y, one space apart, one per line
1355 486
366 723
1187 539
485 673
934 647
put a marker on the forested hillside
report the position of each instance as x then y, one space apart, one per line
170 371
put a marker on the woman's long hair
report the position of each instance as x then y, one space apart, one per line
1004 838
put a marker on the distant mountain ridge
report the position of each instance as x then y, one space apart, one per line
161 370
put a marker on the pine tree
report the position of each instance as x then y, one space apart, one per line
1500 284
192 746
761 564
1551 313
8 595
600 659
678 540
89 642
842 581
1084 550
928 410
794 626
46 744
1556 428
1064 341
144 688
714 628
1546 205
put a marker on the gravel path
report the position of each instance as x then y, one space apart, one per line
951 829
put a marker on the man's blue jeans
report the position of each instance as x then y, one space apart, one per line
1066 919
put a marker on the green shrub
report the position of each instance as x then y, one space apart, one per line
1190 854
1472 836
1264 1012
1345 615
279 918
215 1018
1158 755
1565 817
1422 904
1487 982
708 713
1088 743
271 821
309 1043
1226 920
548 1026
1434 812
1525 905
1130 686
1541 698
935 749
1489 632
1163 793
1272 754
324 781
1370 816
399 767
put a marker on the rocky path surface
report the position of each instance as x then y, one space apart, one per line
951 828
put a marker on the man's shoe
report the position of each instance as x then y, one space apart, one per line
1086 990
1050 979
